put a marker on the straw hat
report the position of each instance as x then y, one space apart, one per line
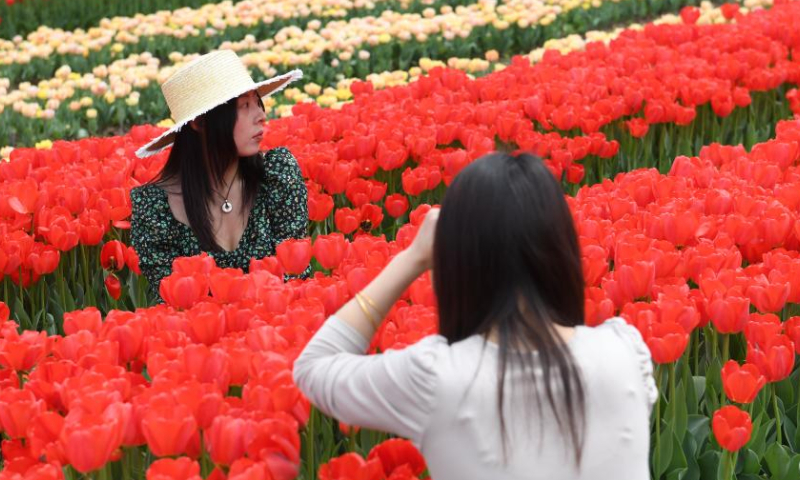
207 82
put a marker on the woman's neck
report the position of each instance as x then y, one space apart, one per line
229 176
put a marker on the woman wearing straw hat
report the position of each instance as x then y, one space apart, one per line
217 193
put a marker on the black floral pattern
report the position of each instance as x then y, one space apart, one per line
280 211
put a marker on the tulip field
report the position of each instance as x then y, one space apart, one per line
670 124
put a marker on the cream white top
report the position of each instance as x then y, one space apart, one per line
444 399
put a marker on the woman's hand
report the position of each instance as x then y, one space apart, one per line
421 249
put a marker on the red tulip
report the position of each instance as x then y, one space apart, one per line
742 383
168 428
112 256
87 319
23 352
182 468
396 205
17 409
225 439
638 127
729 314
113 286
329 250
132 260
729 10
636 280
775 359
396 453
770 297
320 206
371 216
206 323
347 220
690 14
761 328
351 466
390 155
792 327
667 341
89 440
732 427
294 255
183 291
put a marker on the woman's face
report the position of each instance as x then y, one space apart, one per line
249 127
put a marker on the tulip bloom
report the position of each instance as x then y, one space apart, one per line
112 256
732 427
183 290
182 468
351 465
113 286
396 453
330 250
294 255
742 383
168 429
396 205
775 359
666 341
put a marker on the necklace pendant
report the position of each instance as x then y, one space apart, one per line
226 206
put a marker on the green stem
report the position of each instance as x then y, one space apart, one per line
727 465
656 459
311 443
726 347
672 400
777 414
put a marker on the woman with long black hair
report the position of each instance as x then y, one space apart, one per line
515 386
217 193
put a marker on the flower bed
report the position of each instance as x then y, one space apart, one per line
125 92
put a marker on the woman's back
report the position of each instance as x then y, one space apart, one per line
443 397
462 439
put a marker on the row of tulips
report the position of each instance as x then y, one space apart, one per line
126 91
20 17
39 54
58 204
207 375
491 61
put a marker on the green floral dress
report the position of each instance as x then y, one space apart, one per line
280 211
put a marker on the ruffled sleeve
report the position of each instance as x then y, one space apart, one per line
288 196
631 336
392 392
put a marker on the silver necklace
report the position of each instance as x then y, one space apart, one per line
227 207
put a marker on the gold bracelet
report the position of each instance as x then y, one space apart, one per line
365 309
370 301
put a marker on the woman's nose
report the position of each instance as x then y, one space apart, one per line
261 115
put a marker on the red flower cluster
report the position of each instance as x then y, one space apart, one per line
394 459
699 224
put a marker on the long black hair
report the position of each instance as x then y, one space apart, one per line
506 260
199 159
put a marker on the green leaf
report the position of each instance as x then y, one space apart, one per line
678 460
21 315
785 390
750 461
681 420
690 448
699 387
709 463
677 474
698 426
662 457
777 458
713 377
